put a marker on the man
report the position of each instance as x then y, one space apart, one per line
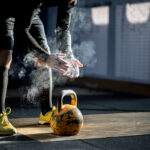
20 23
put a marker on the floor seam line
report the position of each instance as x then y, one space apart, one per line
92 144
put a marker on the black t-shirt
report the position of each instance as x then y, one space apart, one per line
28 8
24 10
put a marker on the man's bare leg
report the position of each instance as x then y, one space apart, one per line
45 80
5 62
6 128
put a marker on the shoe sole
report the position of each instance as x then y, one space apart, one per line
43 122
13 133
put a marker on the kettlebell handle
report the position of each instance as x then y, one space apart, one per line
64 93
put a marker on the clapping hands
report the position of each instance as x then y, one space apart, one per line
69 67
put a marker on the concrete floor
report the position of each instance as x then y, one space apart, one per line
113 121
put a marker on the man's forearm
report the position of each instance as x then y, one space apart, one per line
37 50
63 38
24 25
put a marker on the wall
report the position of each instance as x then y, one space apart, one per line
111 38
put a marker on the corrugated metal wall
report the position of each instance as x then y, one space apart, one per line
111 38
121 34
133 42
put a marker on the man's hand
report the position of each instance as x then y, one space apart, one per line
54 61
69 67
73 71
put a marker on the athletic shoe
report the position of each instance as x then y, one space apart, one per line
6 128
45 119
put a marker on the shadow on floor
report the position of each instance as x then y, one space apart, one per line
139 142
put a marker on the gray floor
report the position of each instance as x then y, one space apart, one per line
93 103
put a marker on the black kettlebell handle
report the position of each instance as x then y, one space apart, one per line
64 93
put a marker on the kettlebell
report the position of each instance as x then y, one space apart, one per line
66 120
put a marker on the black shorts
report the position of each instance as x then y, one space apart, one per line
6 33
7 38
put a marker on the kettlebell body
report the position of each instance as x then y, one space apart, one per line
66 119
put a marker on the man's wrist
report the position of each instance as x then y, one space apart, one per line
69 55
42 56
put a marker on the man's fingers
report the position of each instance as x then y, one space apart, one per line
61 55
79 63
59 69
64 67
62 64
76 74
72 74
65 73
63 61
68 74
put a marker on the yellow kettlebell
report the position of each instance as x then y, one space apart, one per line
66 119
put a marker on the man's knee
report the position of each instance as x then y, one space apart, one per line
5 58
